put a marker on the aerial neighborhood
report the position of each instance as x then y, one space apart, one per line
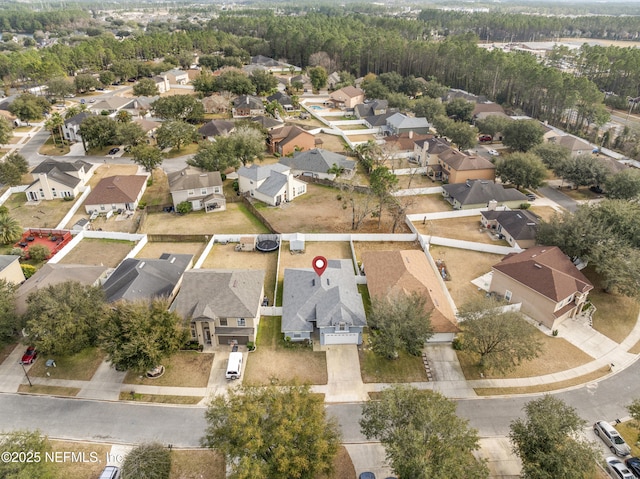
255 229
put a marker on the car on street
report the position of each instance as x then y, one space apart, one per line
93 100
367 475
611 438
113 151
29 356
485 138
617 469
493 153
110 472
633 464
531 197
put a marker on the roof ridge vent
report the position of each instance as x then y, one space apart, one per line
537 265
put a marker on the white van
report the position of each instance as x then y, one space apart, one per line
234 366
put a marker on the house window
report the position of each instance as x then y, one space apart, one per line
296 335
41 193
102 207
193 331
242 322
217 190
342 327
191 192
54 193
203 191
507 295
223 321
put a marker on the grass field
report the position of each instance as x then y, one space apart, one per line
81 366
376 369
159 398
275 360
467 228
45 214
188 369
155 249
98 252
48 390
158 193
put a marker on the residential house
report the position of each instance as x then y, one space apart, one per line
148 126
215 104
378 122
203 189
371 108
267 122
285 100
214 128
393 274
271 184
51 274
10 269
332 80
426 151
479 193
403 145
162 83
176 76
518 227
346 98
458 167
247 105
401 123
113 104
483 110
575 145
545 281
221 306
142 106
71 126
121 192
289 139
304 80
272 65
329 304
53 179
147 278
456 93
318 162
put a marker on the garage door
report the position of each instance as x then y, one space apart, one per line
227 339
344 338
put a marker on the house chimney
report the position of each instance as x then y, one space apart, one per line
492 205
410 134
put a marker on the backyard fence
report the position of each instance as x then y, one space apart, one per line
173 238
252 209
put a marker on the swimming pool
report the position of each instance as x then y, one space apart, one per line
316 107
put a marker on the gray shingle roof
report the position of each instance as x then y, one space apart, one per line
519 224
257 173
77 119
481 192
213 293
216 128
49 164
317 161
330 299
191 178
273 184
142 278
398 120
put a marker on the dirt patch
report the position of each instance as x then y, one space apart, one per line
104 171
330 250
463 266
158 193
428 204
99 252
362 246
155 249
544 212
44 214
188 369
331 142
415 181
197 464
342 466
236 219
226 257
79 469
468 228
557 355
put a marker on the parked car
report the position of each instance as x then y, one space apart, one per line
367 475
493 153
633 464
611 438
29 356
531 197
617 469
113 151
110 472
485 138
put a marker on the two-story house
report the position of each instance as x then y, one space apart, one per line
347 97
203 189
71 126
288 139
53 179
247 105
221 306
271 184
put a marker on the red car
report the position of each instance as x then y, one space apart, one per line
29 355
485 138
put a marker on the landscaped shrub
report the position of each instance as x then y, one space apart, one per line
68 198
184 207
39 252
142 205
28 270
17 252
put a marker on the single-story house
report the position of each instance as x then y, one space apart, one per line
519 227
203 189
113 104
221 306
247 105
214 128
272 65
121 192
401 123
478 194
53 179
147 278
545 281
332 80
267 122
395 273
55 273
289 139
271 184
318 162
148 126
71 126
329 304
575 145
10 269
285 100
347 97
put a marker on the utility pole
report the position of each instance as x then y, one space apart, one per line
26 375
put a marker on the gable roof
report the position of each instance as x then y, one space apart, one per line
282 98
327 300
406 140
546 270
399 120
438 146
111 103
475 192
266 121
78 118
191 178
116 189
346 92
369 108
218 293
317 161
216 128
273 184
49 164
519 224
142 278
257 173
487 107
147 125
573 143
393 273
287 134
379 120
248 101
461 162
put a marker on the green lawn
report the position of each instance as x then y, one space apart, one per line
80 366
376 369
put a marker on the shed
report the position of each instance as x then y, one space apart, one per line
247 243
81 224
297 242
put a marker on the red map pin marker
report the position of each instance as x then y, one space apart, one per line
319 264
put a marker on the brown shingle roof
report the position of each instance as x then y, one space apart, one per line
461 162
116 189
546 270
390 273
